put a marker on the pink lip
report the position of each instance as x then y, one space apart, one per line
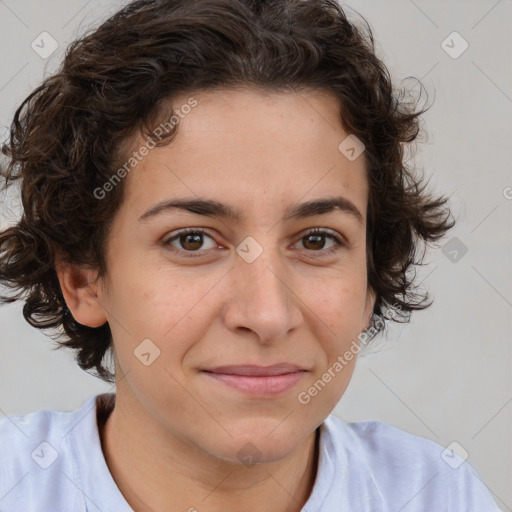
258 380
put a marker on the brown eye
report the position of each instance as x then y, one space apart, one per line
190 240
315 241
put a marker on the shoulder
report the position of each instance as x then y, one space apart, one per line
375 441
411 472
36 458
20 437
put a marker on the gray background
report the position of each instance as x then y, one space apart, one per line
445 376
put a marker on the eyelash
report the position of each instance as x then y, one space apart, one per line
314 231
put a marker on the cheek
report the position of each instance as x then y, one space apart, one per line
325 387
177 311
339 306
162 315
152 303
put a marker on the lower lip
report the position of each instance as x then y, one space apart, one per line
260 386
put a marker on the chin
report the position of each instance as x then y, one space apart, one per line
262 441
258 451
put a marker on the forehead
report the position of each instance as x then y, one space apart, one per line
252 149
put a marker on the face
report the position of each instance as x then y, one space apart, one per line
273 283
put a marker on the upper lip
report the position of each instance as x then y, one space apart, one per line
257 371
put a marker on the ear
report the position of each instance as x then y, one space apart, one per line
368 308
81 292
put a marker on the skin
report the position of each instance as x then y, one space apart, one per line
171 442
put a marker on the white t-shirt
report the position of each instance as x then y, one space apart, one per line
52 461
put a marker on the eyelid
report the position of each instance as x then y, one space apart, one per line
325 231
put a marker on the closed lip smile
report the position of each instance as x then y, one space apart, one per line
259 381
255 370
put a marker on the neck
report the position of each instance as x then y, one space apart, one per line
154 469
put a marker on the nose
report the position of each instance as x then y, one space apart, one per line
262 298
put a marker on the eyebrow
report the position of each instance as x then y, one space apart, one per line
212 208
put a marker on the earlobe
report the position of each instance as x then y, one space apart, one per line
81 292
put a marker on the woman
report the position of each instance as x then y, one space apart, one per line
214 193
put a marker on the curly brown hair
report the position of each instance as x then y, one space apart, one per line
70 134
